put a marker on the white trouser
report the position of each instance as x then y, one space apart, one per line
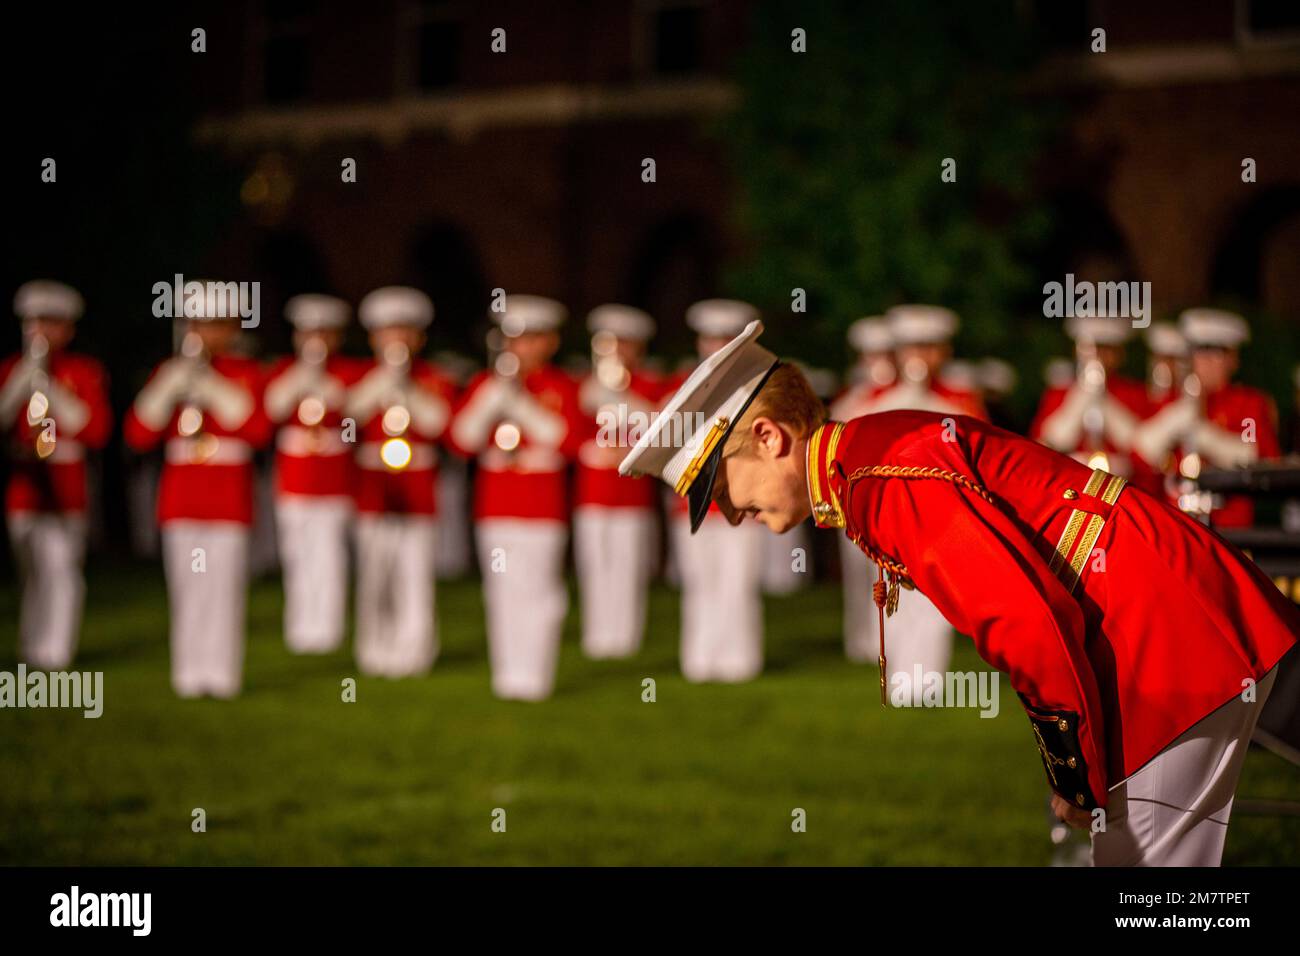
1174 811
206 564
522 561
49 549
313 538
611 549
861 627
722 607
395 635
786 560
916 634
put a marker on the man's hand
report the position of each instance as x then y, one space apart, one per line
1067 812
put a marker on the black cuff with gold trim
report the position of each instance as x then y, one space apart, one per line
1057 734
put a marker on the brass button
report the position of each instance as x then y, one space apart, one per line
1071 763
823 508
1070 494
1062 725
1078 798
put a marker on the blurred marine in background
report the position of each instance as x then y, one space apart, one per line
53 410
204 406
313 473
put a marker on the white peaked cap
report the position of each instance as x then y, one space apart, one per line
720 318
621 321
1098 329
997 376
1163 338
529 313
314 313
715 395
47 299
871 334
395 305
1213 328
921 324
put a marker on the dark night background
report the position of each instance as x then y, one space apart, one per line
775 170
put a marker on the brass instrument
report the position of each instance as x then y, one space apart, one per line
191 422
395 452
505 365
38 404
1184 479
1092 378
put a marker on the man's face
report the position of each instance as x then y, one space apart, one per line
409 336
217 335
706 345
930 356
332 339
1214 367
766 482
57 333
533 349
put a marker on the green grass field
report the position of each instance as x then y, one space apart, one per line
411 772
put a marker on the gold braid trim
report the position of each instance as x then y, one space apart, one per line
893 574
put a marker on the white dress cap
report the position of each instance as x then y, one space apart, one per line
720 318
47 299
529 313
395 305
683 444
313 313
921 324
1213 328
871 334
621 321
1163 338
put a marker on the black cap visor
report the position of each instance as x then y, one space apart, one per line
700 494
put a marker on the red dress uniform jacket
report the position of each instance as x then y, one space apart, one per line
1133 396
410 491
598 481
532 480
57 483
1149 622
209 476
312 459
1232 409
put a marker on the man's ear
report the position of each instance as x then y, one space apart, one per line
770 437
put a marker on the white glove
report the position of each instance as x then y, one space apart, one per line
1224 448
230 404
283 393
540 424
483 410
429 412
1063 429
17 390
69 412
153 406
1121 424
1153 438
366 396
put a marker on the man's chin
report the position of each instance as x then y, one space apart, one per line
779 524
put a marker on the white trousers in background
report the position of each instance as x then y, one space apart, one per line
722 607
611 549
861 626
49 549
395 594
1175 810
781 564
522 561
313 537
916 634
206 565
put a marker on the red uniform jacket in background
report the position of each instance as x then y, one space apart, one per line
1229 408
194 484
313 460
532 480
57 483
381 490
600 484
1162 624
1133 396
